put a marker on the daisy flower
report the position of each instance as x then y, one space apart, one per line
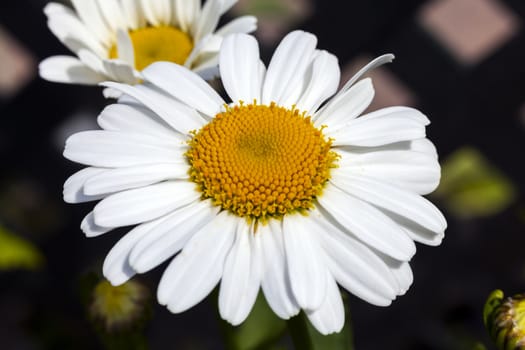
114 40
282 189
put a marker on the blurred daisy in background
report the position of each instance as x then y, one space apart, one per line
283 188
114 40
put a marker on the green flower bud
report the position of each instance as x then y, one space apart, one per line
121 308
504 318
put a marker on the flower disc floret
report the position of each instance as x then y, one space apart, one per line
261 161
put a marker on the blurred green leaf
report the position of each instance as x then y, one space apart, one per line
261 330
471 186
18 253
306 337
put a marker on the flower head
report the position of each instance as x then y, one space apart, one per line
114 40
283 188
504 318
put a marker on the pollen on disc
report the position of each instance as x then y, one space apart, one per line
261 161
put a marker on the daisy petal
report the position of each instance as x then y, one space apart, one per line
381 128
379 61
186 86
120 70
347 106
132 12
367 223
185 12
354 265
74 186
120 179
410 170
144 204
393 199
208 19
240 73
305 266
198 268
330 316
67 69
91 229
134 118
113 14
125 47
402 273
157 12
116 266
417 232
89 13
323 82
287 68
116 149
275 280
244 24
168 239
177 115
241 277
227 4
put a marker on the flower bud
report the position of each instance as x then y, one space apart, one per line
504 318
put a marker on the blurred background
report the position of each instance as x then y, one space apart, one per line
461 62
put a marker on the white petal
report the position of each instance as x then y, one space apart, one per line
133 13
417 232
67 69
185 12
275 280
125 47
120 71
91 229
117 149
410 170
184 85
113 14
305 263
424 146
227 4
330 316
179 116
135 118
401 272
367 223
68 28
198 268
241 277
379 61
244 24
208 19
143 204
381 127
205 50
157 12
164 241
239 65
347 106
354 265
323 82
89 13
115 180
393 199
116 266
288 66
74 186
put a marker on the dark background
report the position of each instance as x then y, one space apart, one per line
476 102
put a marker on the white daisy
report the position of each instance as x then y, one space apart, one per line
283 188
115 40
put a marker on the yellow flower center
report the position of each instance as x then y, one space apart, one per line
152 44
261 161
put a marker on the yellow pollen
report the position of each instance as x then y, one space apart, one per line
261 161
152 44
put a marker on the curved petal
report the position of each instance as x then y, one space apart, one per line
243 24
74 186
287 68
324 80
157 12
241 278
185 85
208 19
117 149
125 47
367 223
113 14
67 69
308 274
120 71
185 12
133 14
239 66
144 204
166 240
330 316
198 268
275 280
91 229
89 13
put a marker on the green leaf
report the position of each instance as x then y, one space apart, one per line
306 337
472 187
18 253
261 330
